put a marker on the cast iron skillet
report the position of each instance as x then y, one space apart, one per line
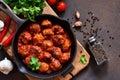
22 25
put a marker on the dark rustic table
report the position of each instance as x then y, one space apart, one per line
108 13
107 26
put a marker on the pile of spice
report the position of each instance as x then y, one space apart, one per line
89 32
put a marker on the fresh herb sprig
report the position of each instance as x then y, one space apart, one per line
83 59
28 8
34 64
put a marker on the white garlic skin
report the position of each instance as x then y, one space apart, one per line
1 25
77 14
6 66
77 24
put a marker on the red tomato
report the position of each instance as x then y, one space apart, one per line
61 6
51 2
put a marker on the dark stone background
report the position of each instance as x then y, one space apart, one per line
108 13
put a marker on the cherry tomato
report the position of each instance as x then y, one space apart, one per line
61 6
51 2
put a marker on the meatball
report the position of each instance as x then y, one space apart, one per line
25 37
24 50
46 23
41 56
47 44
58 39
65 57
66 45
57 29
44 67
19 44
28 58
47 55
34 28
47 32
57 53
44 56
38 39
49 70
35 50
55 64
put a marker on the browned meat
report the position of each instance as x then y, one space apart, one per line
34 28
25 37
35 50
44 56
47 55
55 64
24 50
46 23
47 44
48 32
58 29
38 39
44 67
41 56
28 58
66 45
58 39
65 57
57 53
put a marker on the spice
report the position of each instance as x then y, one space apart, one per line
97 50
7 23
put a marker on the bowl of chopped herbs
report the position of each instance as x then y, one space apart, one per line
26 9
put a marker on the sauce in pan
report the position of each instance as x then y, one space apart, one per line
48 43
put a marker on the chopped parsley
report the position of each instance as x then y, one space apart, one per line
27 8
34 64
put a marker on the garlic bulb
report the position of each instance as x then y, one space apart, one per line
1 25
6 66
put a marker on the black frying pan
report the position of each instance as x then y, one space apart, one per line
22 25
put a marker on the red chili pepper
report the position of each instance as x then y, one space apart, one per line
6 27
9 39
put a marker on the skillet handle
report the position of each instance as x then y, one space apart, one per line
22 69
68 70
5 8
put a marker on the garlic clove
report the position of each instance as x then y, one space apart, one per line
77 24
77 14
1 25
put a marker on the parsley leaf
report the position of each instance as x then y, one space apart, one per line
34 64
83 59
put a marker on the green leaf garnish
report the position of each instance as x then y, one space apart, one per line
28 8
34 64
83 59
